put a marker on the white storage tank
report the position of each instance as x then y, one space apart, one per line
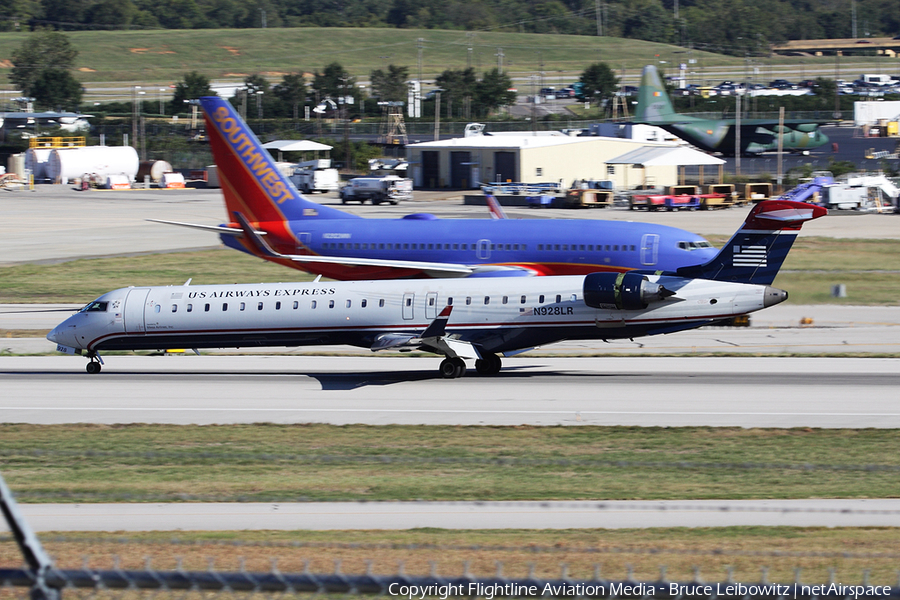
153 168
36 160
67 164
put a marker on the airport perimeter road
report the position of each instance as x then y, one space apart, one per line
57 223
323 516
726 391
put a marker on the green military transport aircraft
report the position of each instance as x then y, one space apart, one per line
718 135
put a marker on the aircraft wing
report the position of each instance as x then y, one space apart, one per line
440 269
216 228
434 339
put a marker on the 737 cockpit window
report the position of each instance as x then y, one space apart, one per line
95 307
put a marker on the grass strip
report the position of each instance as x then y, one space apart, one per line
744 549
266 462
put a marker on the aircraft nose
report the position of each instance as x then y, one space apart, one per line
773 296
53 335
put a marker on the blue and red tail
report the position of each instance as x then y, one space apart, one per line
250 180
756 252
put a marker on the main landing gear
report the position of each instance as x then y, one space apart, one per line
451 368
96 363
489 364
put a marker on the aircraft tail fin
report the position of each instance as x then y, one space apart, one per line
653 105
756 252
497 211
250 179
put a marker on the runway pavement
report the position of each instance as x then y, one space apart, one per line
321 516
726 391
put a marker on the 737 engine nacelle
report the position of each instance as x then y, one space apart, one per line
624 291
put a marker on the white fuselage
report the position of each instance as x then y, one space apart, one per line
492 314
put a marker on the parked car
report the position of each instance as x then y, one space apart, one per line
565 92
548 93
782 84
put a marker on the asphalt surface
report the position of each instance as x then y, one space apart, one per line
661 392
461 515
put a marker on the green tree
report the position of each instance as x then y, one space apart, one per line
390 86
193 86
57 89
291 92
333 82
493 91
43 50
599 82
458 84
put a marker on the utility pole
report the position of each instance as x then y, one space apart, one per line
500 56
780 148
437 116
853 18
837 87
419 45
598 10
737 134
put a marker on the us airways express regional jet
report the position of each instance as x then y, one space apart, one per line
269 218
460 319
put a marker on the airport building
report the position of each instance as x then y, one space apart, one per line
548 157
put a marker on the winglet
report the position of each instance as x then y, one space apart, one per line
782 214
437 327
495 208
257 243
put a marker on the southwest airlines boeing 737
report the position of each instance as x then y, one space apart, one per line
270 219
460 319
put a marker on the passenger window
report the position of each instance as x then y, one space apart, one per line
464 246
278 306
243 305
156 308
364 302
190 307
224 306
259 306
632 248
348 304
505 299
431 302
381 303
558 298
522 300
541 299
573 297
409 301
468 300
450 301
174 308
206 307
312 304
331 304
540 246
296 305
616 248
487 300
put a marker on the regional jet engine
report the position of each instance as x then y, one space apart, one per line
624 291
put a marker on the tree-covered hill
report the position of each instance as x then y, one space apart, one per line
737 27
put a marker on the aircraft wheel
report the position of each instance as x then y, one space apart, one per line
448 368
393 203
93 367
489 365
460 365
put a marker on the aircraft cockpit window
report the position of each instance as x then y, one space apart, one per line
95 307
683 245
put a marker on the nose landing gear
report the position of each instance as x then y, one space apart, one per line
95 364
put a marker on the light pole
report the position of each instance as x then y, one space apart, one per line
259 111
